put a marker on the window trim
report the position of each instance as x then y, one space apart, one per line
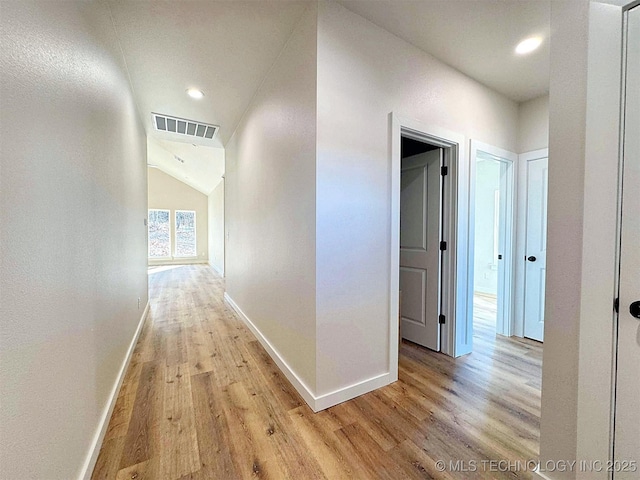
195 233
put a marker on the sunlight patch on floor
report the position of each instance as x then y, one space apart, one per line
161 268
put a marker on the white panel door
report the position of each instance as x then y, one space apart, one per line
536 248
505 240
420 248
627 404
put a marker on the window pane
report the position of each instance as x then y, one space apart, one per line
185 234
159 234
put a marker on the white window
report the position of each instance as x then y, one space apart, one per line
185 233
159 234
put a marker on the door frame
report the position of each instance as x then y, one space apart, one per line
455 336
521 236
504 327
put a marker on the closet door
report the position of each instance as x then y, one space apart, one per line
627 401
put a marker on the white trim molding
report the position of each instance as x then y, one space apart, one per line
94 450
316 403
217 269
177 261
455 339
352 391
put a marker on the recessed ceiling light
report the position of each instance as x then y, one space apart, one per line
195 93
528 45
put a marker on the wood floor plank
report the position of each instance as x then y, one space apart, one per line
108 462
212 429
252 451
202 400
178 453
134 472
357 443
317 433
138 445
285 439
176 343
198 351
417 463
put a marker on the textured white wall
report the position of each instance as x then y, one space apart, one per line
216 228
533 124
270 204
168 193
364 73
73 239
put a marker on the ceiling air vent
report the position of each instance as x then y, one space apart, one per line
181 126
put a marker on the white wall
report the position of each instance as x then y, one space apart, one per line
364 73
216 228
169 193
533 124
73 239
583 158
270 205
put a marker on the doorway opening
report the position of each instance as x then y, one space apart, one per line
445 251
428 298
421 242
492 230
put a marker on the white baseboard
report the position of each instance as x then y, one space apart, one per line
92 457
352 391
304 391
217 269
176 261
316 403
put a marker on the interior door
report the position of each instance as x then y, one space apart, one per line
536 248
505 266
627 399
420 248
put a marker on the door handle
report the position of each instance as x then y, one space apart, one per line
532 258
634 309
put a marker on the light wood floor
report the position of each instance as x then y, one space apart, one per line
202 400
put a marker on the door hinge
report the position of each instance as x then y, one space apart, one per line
443 245
441 319
616 305
444 171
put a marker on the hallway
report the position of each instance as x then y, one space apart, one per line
203 400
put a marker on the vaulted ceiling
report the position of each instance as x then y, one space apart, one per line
226 47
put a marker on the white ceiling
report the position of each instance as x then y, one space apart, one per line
477 37
202 167
223 48
226 47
